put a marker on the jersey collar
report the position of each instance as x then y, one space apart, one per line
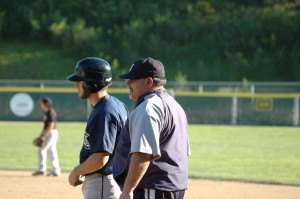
143 97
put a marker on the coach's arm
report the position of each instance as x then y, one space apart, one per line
139 163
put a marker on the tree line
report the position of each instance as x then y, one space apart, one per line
207 40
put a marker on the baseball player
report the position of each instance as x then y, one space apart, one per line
151 158
48 137
92 78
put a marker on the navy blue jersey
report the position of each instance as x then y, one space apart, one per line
102 130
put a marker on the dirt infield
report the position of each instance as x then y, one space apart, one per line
20 184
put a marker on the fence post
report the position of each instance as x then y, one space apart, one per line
88 109
200 88
252 90
42 86
234 110
296 112
172 92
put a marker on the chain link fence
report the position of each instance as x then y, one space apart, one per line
232 103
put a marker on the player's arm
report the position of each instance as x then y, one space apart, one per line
139 163
94 162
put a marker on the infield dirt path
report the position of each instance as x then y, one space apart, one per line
20 184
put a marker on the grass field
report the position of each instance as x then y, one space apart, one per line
246 153
242 153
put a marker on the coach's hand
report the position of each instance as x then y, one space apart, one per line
126 195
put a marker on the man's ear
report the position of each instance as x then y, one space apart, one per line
149 82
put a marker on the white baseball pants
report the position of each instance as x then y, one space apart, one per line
49 148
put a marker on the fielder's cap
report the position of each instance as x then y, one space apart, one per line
45 100
145 67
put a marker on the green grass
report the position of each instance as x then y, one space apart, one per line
17 152
246 153
242 153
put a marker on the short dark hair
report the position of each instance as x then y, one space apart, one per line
47 101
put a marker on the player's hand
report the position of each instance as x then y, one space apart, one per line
74 179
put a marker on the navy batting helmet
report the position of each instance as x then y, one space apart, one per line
95 72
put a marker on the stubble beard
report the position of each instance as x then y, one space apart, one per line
84 94
131 95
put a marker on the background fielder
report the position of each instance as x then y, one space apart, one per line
49 137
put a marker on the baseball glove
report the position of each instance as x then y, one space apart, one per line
38 142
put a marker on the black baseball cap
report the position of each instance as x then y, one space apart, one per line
45 100
145 67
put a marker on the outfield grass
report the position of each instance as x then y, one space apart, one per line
17 152
243 153
246 153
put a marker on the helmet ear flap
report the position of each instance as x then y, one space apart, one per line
100 83
93 87
86 87
105 81
89 88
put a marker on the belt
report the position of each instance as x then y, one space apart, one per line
89 174
95 175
